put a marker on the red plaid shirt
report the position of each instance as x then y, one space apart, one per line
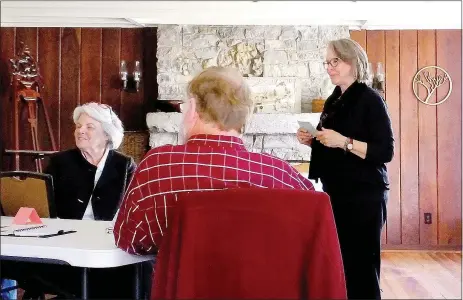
204 163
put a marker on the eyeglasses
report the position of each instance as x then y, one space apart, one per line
332 62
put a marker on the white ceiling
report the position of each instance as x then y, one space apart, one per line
356 14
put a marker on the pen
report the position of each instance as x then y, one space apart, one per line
57 234
61 232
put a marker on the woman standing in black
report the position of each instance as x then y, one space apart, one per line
349 153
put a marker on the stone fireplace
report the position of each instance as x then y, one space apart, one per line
282 65
268 133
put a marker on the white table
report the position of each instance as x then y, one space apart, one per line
90 247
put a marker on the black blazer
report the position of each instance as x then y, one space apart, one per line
360 113
73 180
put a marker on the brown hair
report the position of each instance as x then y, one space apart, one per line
222 97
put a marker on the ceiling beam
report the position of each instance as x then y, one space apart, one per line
355 14
135 23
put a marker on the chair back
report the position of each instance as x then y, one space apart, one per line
250 243
27 189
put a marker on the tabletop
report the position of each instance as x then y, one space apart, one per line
92 245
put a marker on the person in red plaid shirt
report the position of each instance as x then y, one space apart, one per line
213 158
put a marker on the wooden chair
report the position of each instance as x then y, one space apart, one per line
27 189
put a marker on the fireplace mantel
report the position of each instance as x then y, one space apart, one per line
268 133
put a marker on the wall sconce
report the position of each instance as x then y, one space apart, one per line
137 75
371 75
124 74
130 82
378 83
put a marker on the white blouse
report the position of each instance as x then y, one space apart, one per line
88 214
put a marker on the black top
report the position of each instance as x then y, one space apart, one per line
360 113
73 180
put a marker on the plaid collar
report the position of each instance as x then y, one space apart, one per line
217 141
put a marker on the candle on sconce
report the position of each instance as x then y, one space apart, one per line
124 73
137 75
370 80
380 77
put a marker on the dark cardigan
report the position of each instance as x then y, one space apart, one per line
73 180
360 113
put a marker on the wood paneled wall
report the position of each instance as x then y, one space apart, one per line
78 65
82 64
426 170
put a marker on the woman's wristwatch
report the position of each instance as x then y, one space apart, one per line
349 144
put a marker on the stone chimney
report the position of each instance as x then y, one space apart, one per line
283 66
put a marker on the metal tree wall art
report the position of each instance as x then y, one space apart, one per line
431 83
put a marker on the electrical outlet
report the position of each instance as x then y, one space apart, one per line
427 218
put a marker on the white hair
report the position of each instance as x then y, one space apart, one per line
104 114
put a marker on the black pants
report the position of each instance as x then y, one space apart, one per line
360 215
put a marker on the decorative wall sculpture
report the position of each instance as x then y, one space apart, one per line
275 95
244 56
432 78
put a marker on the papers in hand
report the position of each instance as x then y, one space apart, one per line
309 127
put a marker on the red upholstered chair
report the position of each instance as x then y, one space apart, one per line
250 244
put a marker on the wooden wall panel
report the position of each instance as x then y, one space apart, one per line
110 80
7 51
425 173
70 83
375 47
360 36
427 144
78 65
448 43
28 36
409 139
392 86
132 110
419 182
90 64
49 58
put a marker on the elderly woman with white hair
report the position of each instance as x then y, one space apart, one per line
350 149
90 180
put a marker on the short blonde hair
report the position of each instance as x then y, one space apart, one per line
222 97
351 52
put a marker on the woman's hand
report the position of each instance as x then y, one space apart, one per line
304 137
331 138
